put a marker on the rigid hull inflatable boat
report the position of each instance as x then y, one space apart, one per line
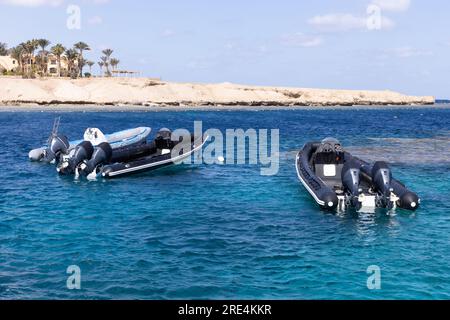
104 161
59 145
337 180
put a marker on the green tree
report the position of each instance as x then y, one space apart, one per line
114 63
3 49
101 65
72 57
90 64
108 52
30 47
17 54
58 50
43 44
105 61
81 47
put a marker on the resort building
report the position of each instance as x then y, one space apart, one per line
8 64
52 65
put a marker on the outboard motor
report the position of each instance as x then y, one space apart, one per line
57 146
82 152
350 180
164 139
381 178
102 155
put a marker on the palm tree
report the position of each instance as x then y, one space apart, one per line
81 63
114 63
58 50
72 56
43 43
30 47
81 46
17 54
101 65
3 49
105 61
90 65
108 52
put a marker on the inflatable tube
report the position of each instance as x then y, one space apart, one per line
325 197
336 179
156 159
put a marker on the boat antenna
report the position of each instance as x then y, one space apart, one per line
55 129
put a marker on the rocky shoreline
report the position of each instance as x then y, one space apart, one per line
148 93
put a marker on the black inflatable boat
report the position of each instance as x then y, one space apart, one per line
337 180
104 161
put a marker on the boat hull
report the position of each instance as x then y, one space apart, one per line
150 162
338 196
117 140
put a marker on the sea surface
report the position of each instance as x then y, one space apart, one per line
224 231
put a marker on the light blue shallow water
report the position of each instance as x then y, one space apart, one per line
224 231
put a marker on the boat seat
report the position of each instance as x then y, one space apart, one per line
330 174
328 167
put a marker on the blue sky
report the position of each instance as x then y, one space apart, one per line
323 44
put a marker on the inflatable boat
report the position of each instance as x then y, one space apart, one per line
105 161
337 180
59 146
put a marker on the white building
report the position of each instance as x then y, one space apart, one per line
7 63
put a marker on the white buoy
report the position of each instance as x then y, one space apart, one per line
221 159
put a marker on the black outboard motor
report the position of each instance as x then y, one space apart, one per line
350 180
102 155
381 178
82 152
164 139
57 146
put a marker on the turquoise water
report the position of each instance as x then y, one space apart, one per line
216 231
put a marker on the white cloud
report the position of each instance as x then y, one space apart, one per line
97 2
41 3
32 3
393 5
346 22
301 40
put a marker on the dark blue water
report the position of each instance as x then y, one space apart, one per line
224 231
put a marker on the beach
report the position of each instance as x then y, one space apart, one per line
146 93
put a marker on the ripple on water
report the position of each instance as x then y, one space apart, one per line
225 231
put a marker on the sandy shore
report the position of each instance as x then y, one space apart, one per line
141 93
